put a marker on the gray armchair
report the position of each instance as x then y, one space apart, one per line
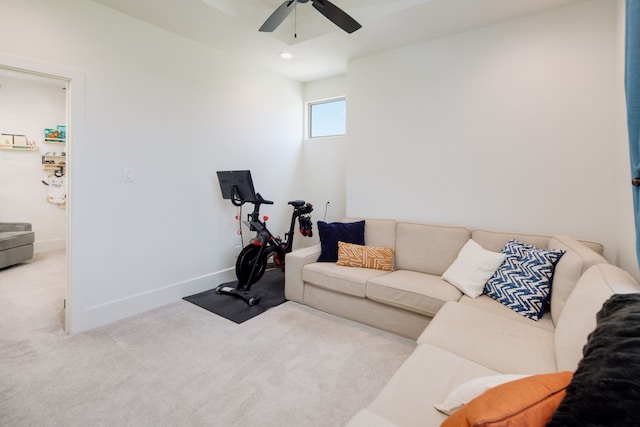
16 243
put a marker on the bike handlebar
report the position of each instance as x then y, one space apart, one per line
236 200
262 200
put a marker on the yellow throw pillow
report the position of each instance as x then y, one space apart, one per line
526 402
352 255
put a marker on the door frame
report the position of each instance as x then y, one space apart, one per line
75 104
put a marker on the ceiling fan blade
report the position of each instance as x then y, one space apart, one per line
278 16
336 15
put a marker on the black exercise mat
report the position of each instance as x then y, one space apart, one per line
270 290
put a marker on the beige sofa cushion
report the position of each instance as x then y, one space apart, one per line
428 248
347 280
491 340
576 260
424 379
578 319
495 240
488 304
380 232
419 292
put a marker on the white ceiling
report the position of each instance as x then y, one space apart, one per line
321 49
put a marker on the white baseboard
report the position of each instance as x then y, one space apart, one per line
49 245
83 319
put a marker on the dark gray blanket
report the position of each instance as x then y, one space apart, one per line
605 389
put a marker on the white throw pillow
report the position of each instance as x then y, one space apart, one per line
468 391
473 267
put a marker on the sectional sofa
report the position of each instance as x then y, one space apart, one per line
16 243
461 337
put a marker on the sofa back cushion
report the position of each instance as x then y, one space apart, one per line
495 240
578 318
378 232
576 260
428 248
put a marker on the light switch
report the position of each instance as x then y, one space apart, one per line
129 175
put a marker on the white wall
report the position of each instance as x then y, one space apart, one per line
28 106
325 159
513 126
175 111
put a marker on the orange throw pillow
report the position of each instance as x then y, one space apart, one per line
352 255
528 402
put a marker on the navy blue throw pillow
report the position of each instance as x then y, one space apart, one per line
331 233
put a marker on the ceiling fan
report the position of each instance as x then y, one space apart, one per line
332 12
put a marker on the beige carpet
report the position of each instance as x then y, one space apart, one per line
180 365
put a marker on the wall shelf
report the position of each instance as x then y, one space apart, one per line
54 160
17 142
19 147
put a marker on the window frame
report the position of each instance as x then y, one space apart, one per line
309 117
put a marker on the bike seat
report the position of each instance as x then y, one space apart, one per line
297 203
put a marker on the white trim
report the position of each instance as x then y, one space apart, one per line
117 309
41 246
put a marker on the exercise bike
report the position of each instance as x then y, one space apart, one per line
253 260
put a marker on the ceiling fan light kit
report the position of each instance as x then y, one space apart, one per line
330 11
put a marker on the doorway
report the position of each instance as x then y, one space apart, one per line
51 157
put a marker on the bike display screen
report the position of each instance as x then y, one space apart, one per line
237 185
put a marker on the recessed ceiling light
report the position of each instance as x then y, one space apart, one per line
286 55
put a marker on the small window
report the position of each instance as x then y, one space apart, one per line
327 118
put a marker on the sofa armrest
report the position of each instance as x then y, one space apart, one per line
15 226
295 262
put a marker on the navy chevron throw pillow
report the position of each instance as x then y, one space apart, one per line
523 281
